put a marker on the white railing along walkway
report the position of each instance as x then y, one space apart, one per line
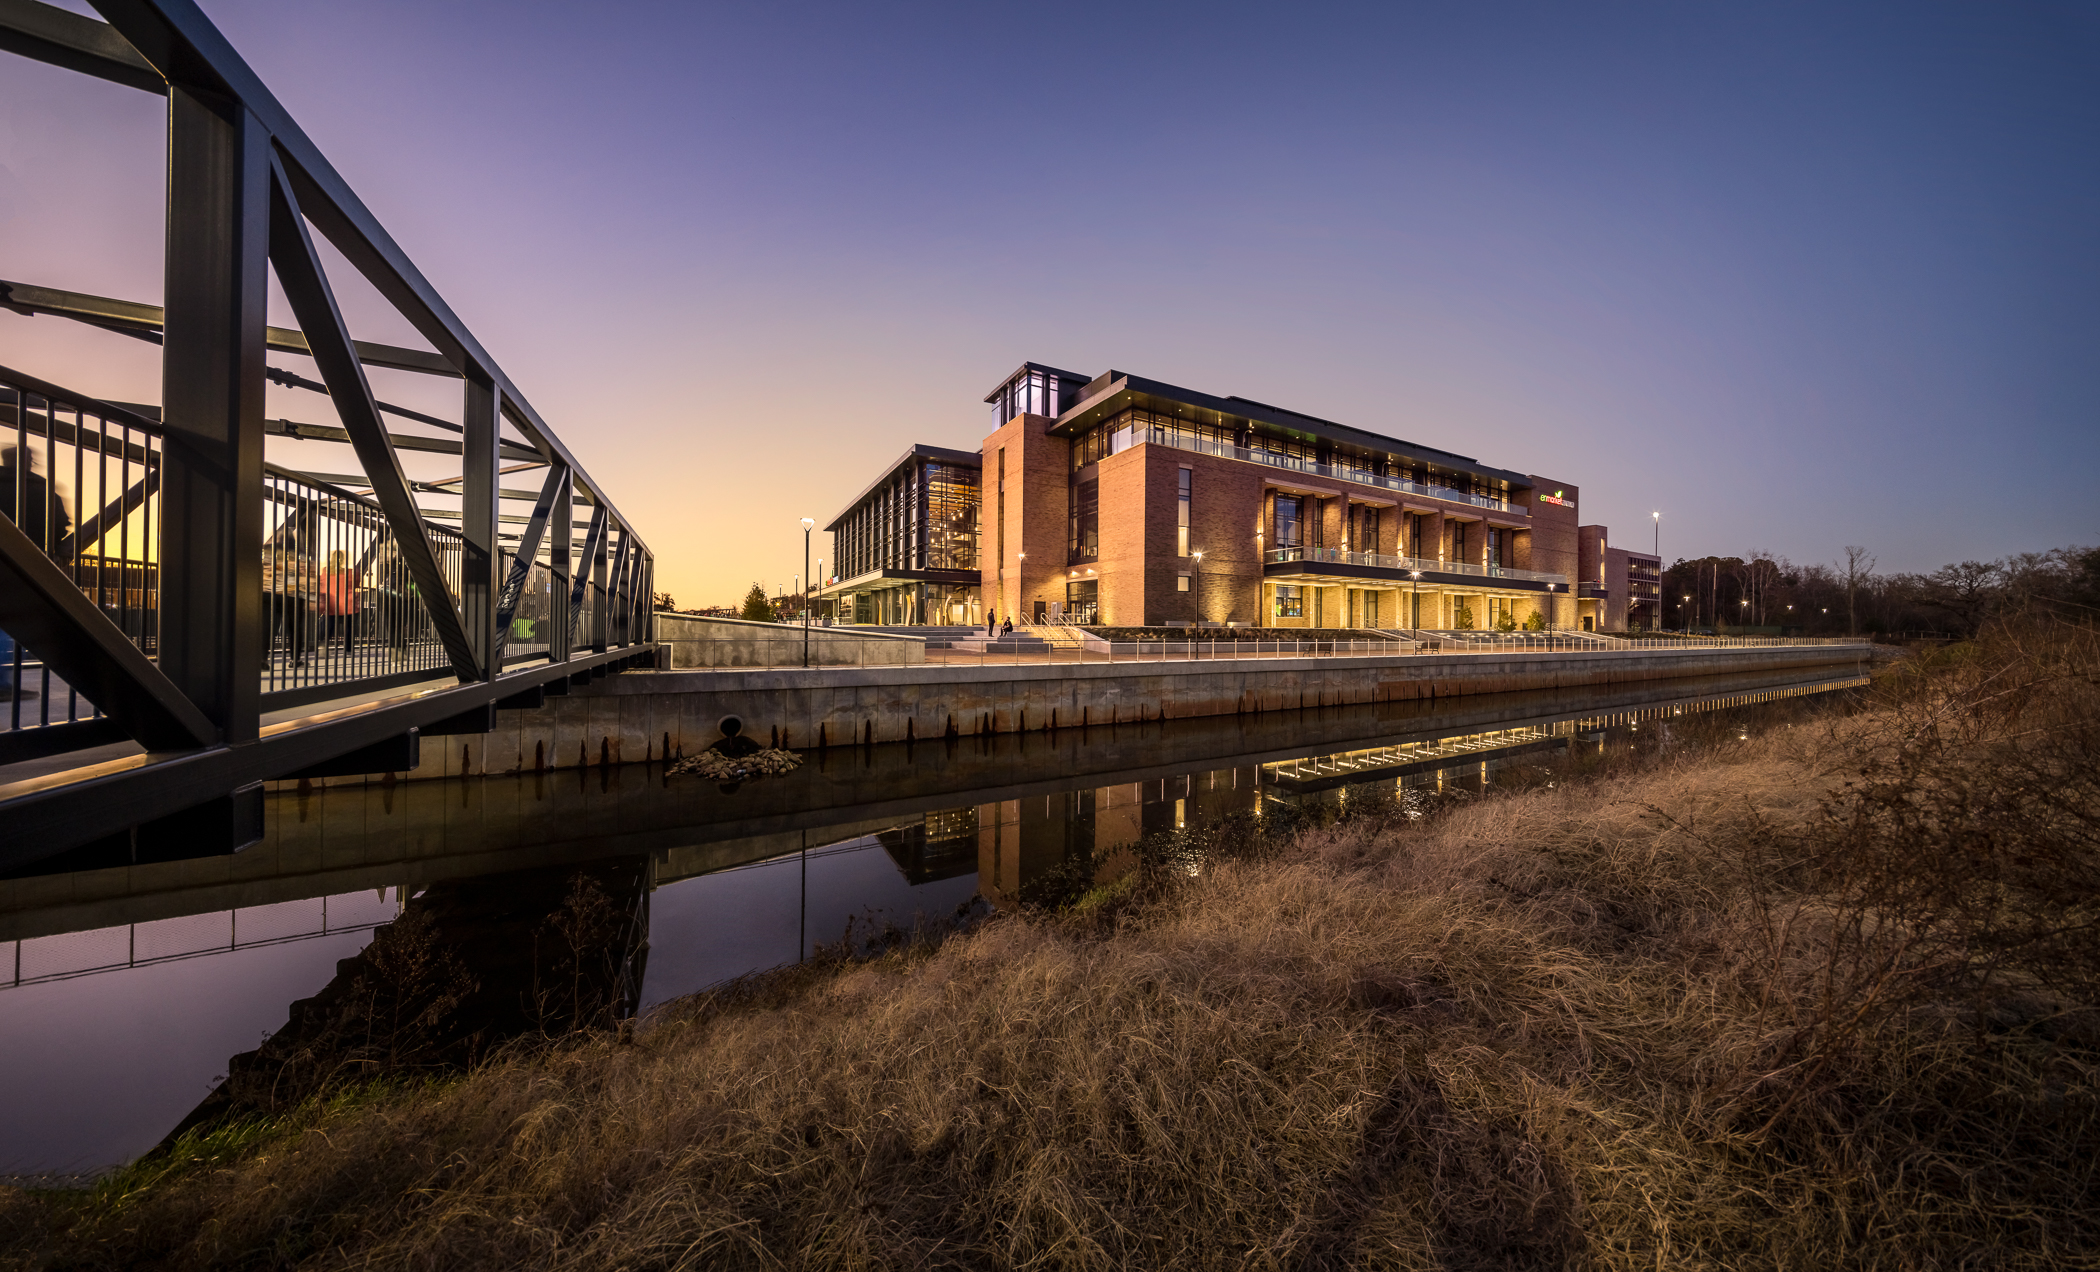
1029 645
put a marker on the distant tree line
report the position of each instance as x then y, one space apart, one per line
1848 597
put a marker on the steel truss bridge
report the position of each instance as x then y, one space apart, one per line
189 620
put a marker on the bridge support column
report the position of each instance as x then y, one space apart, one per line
480 580
211 636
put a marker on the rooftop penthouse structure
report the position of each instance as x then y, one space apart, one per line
1122 501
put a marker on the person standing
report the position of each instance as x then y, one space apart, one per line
288 584
335 595
44 519
395 590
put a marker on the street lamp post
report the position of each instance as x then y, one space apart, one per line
1686 610
1019 584
808 525
1198 555
1416 624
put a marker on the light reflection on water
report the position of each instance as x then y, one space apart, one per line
110 1032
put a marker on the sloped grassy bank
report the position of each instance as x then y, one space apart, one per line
1822 996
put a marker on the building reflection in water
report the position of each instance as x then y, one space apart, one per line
190 962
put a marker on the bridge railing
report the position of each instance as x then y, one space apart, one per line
340 604
341 611
81 480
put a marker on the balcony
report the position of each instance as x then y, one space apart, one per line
1591 591
1125 438
1378 561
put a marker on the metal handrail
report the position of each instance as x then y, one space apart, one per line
1212 644
1123 439
1336 556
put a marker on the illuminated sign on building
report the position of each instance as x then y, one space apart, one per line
1555 498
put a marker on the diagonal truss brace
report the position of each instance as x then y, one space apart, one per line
306 287
593 542
528 550
616 594
46 611
92 529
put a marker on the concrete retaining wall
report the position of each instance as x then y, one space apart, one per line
645 715
698 642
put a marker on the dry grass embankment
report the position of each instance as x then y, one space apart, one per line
1821 998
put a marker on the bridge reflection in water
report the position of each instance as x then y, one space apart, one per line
189 962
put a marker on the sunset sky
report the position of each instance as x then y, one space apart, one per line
1797 275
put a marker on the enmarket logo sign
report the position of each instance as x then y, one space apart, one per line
1555 498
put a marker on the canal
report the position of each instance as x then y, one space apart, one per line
126 994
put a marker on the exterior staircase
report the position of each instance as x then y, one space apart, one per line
1063 637
1020 640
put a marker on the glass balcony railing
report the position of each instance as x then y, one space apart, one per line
1335 556
1125 438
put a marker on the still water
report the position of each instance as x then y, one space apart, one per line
125 992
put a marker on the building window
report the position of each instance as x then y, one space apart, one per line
1458 540
1094 445
1494 548
1085 539
1290 600
1181 525
1303 452
1289 508
1181 582
1366 537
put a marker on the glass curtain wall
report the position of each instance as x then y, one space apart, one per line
924 519
951 517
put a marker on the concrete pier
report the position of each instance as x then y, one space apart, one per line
646 716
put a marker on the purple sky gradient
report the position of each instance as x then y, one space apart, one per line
1799 276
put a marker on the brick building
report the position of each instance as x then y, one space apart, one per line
1625 586
1122 501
